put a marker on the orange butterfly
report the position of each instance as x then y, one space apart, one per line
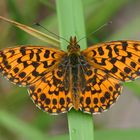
89 80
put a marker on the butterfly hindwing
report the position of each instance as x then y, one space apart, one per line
26 64
50 93
119 59
99 92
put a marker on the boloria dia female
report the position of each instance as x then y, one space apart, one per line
89 80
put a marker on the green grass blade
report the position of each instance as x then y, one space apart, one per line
33 32
20 128
80 126
71 23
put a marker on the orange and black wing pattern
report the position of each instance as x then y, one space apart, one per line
111 63
119 59
40 69
100 91
24 65
51 93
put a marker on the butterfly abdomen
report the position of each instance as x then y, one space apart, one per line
74 72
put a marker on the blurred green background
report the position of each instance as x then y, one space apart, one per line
20 119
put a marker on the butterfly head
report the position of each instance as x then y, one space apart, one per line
73 46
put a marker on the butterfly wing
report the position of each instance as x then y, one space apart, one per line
26 64
109 64
51 93
119 59
100 92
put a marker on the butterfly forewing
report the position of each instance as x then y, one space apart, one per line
119 59
26 64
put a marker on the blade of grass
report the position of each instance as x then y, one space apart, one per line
33 32
20 128
71 23
24 130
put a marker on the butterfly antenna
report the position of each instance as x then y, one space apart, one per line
38 24
99 28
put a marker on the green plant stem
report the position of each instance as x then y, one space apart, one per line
71 23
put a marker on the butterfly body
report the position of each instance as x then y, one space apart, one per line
75 75
74 79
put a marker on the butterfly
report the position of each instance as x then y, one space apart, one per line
89 80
